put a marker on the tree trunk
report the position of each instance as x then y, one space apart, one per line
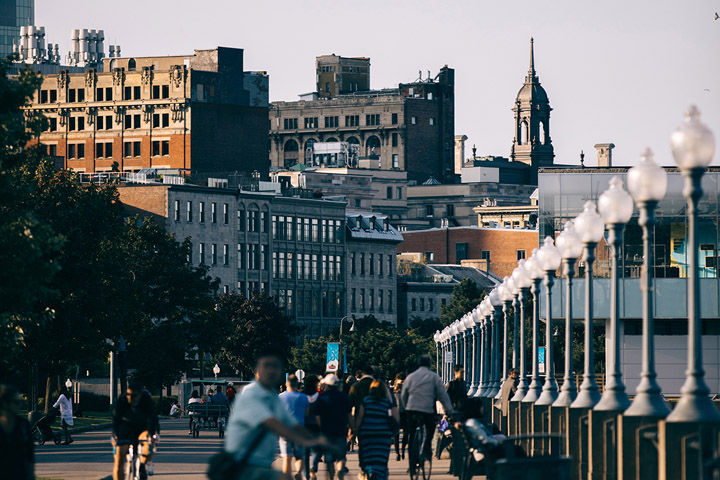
47 393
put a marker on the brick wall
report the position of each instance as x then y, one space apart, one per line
502 244
146 200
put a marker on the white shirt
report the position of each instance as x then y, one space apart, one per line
174 409
65 409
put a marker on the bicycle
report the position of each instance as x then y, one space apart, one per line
420 461
132 459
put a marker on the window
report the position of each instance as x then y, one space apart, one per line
311 122
290 123
156 91
263 222
127 149
100 123
71 151
372 119
331 122
485 255
431 304
315 231
520 254
161 147
390 301
108 94
201 253
394 139
43 96
226 216
429 256
71 95
103 150
394 122
81 95
390 265
372 299
443 301
241 256
450 210
395 160
352 120
53 96
165 120
380 264
226 256
136 121
52 127
461 251
362 264
362 299
136 93
136 149
352 300
413 120
99 94
189 212
388 193
201 212
213 212
213 253
372 264
413 304
380 300
422 304
241 220
314 264
429 211
352 263
80 150
72 124
156 120
226 288
432 120
399 191
165 91
127 94
52 150
177 210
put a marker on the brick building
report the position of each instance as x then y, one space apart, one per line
409 128
192 113
500 248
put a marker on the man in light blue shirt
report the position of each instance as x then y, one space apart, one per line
298 405
259 413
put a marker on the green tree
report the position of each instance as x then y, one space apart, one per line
246 325
466 296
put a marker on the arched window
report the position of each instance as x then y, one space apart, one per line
131 64
113 64
541 135
524 132
372 146
309 151
290 153
331 139
353 141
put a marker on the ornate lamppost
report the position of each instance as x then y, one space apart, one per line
436 339
590 227
485 358
470 355
647 182
693 146
495 361
536 274
523 282
549 258
568 242
616 208
506 296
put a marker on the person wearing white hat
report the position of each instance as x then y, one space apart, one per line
333 411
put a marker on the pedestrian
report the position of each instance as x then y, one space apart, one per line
220 399
457 389
299 405
66 416
507 390
397 392
312 454
360 390
333 411
175 410
375 432
17 452
349 382
230 393
194 398
254 427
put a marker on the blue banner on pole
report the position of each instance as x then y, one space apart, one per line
541 359
333 357
344 360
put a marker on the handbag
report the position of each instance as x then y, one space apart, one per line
223 465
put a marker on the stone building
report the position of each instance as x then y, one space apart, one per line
293 248
408 128
191 113
371 273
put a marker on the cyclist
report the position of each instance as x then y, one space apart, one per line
421 390
134 422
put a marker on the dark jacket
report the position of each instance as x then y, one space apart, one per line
457 391
129 422
17 452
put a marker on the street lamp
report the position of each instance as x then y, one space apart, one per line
462 333
476 352
568 242
590 228
549 258
469 324
216 370
488 347
693 146
340 339
536 274
523 282
68 384
616 208
647 182
436 339
505 290
483 314
496 303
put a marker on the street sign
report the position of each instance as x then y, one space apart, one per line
541 359
448 357
332 361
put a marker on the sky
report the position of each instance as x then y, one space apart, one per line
615 71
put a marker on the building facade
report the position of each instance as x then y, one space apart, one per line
408 128
13 15
562 195
198 113
499 248
372 265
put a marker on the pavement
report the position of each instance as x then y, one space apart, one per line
178 455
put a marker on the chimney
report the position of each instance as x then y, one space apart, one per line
604 154
459 153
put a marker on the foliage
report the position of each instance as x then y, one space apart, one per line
246 325
426 327
466 296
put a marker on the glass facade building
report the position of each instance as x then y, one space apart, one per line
13 15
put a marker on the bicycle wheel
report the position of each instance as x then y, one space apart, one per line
414 454
38 436
426 467
425 458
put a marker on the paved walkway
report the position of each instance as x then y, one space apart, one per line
178 456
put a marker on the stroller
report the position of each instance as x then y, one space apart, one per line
41 431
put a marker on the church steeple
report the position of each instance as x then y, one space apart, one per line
532 143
